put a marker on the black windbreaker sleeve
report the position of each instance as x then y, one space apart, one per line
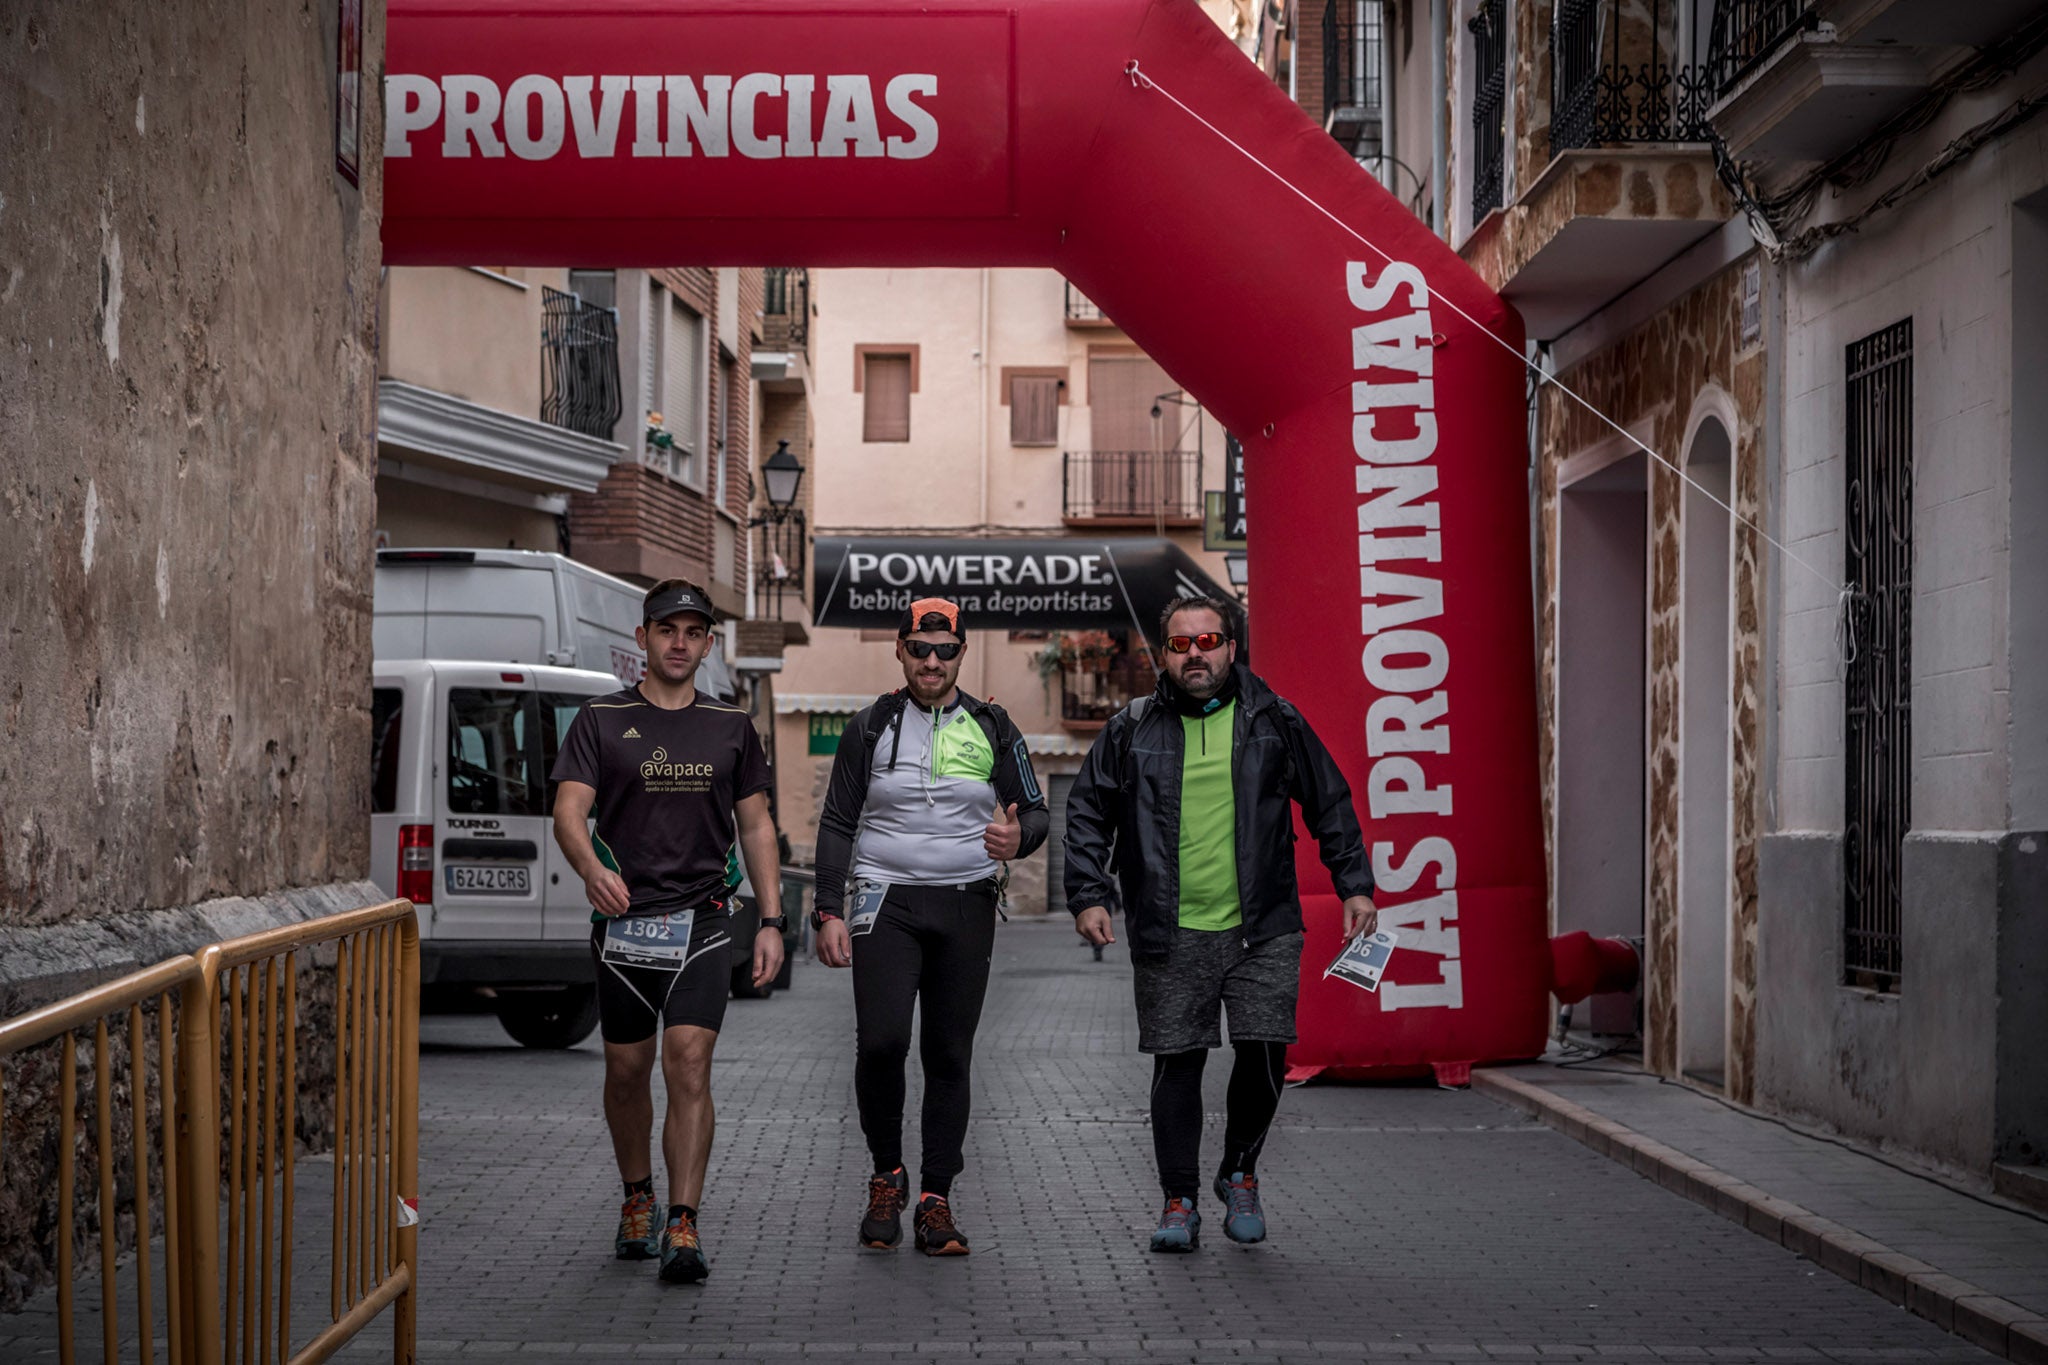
1092 810
1016 784
1325 800
846 795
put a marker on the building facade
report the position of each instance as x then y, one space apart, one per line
1774 262
960 405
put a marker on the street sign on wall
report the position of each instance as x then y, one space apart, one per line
1223 508
825 732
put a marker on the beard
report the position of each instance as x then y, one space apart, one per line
1204 684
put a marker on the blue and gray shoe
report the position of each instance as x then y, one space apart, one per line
1180 1227
682 1252
1243 1219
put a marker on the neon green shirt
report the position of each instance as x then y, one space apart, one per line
1208 822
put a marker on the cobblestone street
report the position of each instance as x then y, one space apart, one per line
1407 1221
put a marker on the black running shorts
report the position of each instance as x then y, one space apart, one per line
636 998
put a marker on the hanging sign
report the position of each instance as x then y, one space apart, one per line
1048 584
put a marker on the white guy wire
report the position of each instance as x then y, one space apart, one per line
1139 78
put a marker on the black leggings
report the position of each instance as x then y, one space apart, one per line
1254 1098
930 945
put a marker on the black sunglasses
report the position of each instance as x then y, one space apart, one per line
924 649
1207 640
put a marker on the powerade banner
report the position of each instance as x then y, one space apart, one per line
1050 584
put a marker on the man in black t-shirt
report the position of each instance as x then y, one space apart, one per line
670 775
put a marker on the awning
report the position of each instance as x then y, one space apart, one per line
1055 583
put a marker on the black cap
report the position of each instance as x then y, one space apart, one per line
680 599
931 613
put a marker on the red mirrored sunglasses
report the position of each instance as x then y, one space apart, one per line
1206 641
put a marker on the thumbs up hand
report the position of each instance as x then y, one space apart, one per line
1003 835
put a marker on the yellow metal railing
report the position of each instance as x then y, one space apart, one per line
228 1025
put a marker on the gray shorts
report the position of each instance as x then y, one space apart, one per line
1181 997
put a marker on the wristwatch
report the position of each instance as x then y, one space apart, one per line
779 923
818 918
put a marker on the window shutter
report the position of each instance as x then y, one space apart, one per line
1121 391
651 399
1034 410
886 387
682 379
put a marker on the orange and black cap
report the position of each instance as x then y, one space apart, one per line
931 613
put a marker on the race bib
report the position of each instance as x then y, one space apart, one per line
867 906
658 941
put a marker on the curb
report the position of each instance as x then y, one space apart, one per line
2000 1326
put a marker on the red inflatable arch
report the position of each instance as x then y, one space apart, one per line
1128 145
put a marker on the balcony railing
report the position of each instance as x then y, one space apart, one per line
1352 63
1613 80
1081 308
1133 485
1747 31
1489 29
786 308
579 363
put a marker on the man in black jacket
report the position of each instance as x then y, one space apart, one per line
940 789
1181 815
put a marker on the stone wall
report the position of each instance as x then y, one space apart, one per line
188 308
1656 375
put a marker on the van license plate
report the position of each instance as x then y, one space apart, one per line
488 881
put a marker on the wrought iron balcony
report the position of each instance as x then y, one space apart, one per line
1134 485
1613 81
579 363
1081 310
1747 31
786 308
1352 67
1489 29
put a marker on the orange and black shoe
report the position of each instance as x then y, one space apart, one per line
882 1227
637 1239
936 1234
682 1254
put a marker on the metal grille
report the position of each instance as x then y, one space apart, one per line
1614 80
579 365
1081 308
1747 31
1353 31
1134 484
1877 705
786 304
1489 31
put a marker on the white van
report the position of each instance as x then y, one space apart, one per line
461 825
515 606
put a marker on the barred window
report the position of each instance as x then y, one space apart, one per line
1877 702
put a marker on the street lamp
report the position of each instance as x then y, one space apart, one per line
783 473
1239 569
782 533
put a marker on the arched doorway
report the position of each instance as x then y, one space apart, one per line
1706 680
1376 383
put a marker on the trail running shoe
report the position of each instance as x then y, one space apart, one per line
637 1240
936 1235
1180 1227
882 1228
682 1255
1243 1219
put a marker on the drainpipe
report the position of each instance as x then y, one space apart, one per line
981 371
1439 77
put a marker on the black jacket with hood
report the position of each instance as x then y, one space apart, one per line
1123 816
